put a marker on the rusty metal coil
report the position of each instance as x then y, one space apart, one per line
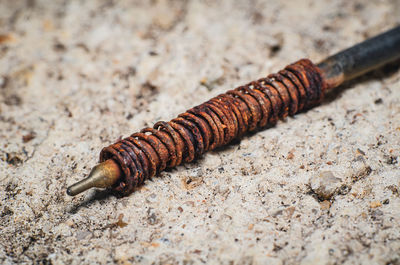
215 123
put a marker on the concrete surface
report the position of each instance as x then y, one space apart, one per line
319 188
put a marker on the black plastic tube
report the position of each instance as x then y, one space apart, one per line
361 58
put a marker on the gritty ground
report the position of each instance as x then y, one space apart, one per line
319 188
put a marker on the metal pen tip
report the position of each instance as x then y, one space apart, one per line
70 192
104 175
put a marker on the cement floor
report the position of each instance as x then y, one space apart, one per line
318 188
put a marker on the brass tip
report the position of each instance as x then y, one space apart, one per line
103 175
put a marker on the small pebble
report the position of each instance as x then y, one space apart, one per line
375 204
325 185
325 205
151 198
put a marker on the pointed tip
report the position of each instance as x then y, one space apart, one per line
80 186
103 175
69 192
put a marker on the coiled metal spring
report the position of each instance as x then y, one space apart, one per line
215 123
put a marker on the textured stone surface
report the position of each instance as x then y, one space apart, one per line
76 76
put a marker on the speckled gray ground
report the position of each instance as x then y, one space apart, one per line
319 188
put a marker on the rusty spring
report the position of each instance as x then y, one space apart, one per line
215 123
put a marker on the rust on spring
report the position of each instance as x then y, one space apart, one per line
215 123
